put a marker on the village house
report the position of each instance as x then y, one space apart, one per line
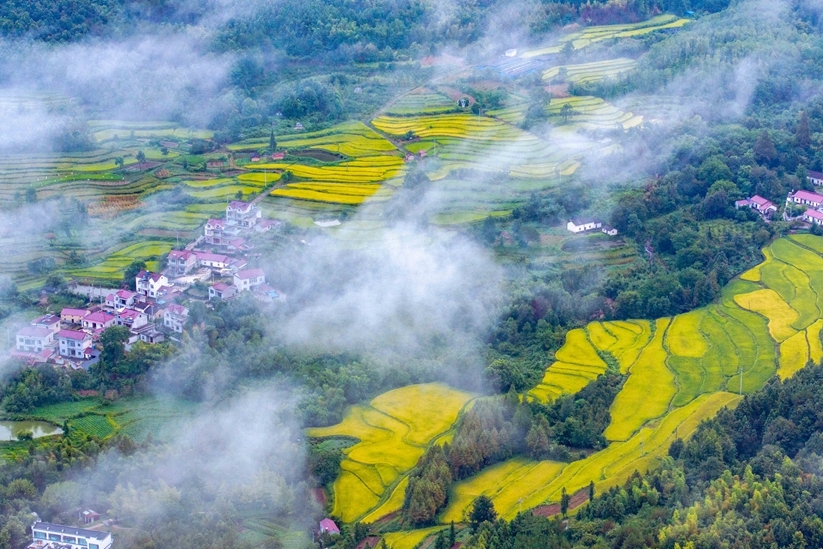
33 339
99 321
815 178
73 316
175 317
609 230
248 279
88 516
181 262
121 299
222 291
757 202
813 216
805 197
149 334
213 261
131 318
46 535
580 224
213 231
150 284
327 526
50 322
74 344
242 214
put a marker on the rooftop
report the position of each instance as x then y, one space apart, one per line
69 530
250 273
807 195
34 331
46 319
220 287
72 312
100 316
814 214
176 309
72 334
208 256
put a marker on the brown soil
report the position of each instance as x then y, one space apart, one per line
322 156
578 498
319 496
558 90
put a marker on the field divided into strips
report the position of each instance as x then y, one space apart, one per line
107 130
426 102
590 35
680 371
465 141
393 432
595 71
588 112
353 139
114 265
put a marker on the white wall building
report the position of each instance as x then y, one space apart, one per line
175 317
581 224
46 535
33 339
73 343
246 280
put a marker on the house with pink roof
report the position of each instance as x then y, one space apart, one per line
99 320
213 231
149 283
213 261
73 316
805 197
248 279
181 262
131 318
242 214
175 317
52 322
74 343
758 203
327 526
813 216
221 290
33 339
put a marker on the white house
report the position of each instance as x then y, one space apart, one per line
248 279
609 230
242 214
70 315
181 262
213 261
175 317
580 224
222 291
32 339
149 284
99 320
131 318
757 202
45 534
805 197
73 343
52 322
213 231
813 216
815 178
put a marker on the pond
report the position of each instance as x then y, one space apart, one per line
10 429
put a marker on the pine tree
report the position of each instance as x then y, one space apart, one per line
564 502
452 535
272 141
591 490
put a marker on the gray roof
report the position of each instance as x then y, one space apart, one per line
70 530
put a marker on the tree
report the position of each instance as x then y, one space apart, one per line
113 340
803 134
272 141
239 195
141 156
482 511
130 274
452 535
118 161
764 149
564 502
164 151
31 195
591 490
566 112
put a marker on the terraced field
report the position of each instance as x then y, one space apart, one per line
679 371
422 103
393 432
584 73
591 35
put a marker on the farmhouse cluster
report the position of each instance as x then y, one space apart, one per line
587 224
152 311
813 202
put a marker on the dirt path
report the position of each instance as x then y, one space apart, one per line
268 191
576 500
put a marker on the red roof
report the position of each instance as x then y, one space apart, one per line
176 309
216 222
34 331
220 287
251 273
180 254
814 214
328 525
46 319
72 334
759 200
68 311
239 205
806 195
125 294
207 256
128 314
100 316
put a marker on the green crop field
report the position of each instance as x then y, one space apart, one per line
422 103
591 72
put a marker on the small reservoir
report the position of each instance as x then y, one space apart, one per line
9 430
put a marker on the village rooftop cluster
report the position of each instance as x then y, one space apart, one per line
152 311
